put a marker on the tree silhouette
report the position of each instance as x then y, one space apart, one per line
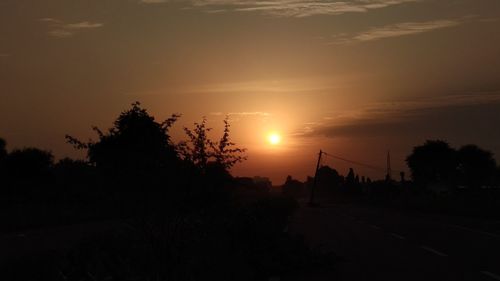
226 154
135 145
3 149
476 167
434 161
199 149
292 187
328 178
350 179
28 167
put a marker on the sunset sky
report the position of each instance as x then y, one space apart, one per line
355 78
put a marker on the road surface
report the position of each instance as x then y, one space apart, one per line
384 244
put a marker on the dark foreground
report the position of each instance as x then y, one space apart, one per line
373 243
383 244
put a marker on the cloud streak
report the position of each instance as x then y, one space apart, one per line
153 1
291 8
396 30
433 116
244 113
61 29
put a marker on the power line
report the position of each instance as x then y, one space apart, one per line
359 163
354 162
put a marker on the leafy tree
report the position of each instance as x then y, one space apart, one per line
136 144
197 149
292 187
350 179
476 167
226 154
328 178
434 161
3 149
29 165
201 151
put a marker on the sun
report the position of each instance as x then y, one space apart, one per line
274 138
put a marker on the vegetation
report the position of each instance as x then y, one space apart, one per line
464 181
172 211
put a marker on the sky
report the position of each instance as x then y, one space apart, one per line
355 78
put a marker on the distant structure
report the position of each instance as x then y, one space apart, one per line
263 182
388 176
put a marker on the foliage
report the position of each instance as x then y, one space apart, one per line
29 164
3 150
437 162
476 167
292 187
135 144
434 161
200 150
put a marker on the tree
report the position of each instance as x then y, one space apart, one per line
350 178
292 187
476 167
201 151
28 166
196 149
135 145
226 154
328 178
3 149
434 161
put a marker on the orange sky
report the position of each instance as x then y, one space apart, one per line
355 78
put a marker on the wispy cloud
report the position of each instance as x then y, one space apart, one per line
61 29
411 116
244 113
4 55
308 84
292 8
238 116
395 30
153 1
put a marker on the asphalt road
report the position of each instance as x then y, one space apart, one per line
384 244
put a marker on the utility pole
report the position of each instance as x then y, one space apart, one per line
311 199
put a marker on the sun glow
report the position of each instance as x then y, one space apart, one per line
274 138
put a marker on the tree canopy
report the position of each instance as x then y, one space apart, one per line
135 144
435 161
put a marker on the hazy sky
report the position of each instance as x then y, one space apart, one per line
354 78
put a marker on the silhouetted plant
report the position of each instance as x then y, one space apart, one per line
434 161
226 154
328 179
136 143
477 167
292 187
350 179
199 149
3 149
29 165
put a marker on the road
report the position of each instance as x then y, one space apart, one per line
384 244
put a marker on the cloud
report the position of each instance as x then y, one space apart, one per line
244 113
61 29
465 116
307 84
254 113
153 1
291 8
4 55
405 29
396 30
